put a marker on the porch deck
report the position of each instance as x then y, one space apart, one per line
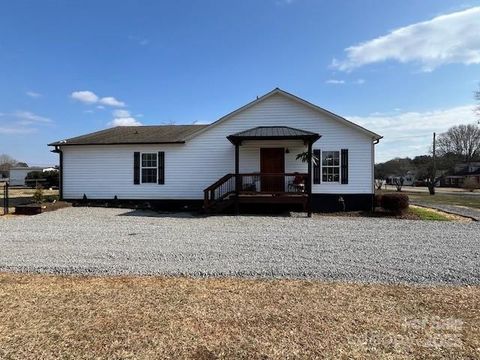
257 188
273 198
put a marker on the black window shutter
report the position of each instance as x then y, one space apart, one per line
344 167
136 168
161 167
316 167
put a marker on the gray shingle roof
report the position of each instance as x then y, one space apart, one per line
273 132
161 134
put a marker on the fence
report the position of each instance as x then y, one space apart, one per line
4 201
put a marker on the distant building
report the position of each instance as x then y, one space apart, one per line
17 175
50 169
408 179
460 173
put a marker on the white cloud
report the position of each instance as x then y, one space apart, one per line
120 113
15 130
89 97
85 96
410 133
123 118
335 82
342 82
21 122
33 94
29 116
445 39
111 101
126 121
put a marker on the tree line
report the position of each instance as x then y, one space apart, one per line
459 144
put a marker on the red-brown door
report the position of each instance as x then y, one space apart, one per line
272 161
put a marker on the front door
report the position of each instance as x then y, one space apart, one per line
272 161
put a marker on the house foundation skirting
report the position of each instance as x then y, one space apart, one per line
332 202
160 205
320 203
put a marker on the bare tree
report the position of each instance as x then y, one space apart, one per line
379 183
398 181
6 162
462 140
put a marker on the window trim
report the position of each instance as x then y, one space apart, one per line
148 167
339 166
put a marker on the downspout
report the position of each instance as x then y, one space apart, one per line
60 174
374 142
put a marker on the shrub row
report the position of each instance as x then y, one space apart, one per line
395 203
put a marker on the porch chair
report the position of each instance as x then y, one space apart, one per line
297 185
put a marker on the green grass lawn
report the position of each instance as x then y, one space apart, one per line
426 214
461 199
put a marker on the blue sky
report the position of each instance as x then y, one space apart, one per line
401 68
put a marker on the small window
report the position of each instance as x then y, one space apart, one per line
149 168
331 166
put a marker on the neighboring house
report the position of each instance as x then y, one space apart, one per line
461 173
18 174
408 179
250 152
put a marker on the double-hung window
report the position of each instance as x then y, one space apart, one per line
331 166
149 168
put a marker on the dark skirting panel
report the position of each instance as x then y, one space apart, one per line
159 205
331 203
320 203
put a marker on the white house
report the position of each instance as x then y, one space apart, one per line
247 156
18 174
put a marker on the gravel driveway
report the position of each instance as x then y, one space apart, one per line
122 241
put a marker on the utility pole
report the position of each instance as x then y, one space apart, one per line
434 156
431 183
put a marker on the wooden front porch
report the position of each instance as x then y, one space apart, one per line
257 188
272 185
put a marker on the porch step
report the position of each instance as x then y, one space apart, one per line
256 188
220 206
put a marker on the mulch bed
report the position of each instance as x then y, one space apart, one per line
35 209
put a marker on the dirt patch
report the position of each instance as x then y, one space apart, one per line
52 317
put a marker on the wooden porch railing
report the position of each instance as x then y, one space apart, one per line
255 183
219 190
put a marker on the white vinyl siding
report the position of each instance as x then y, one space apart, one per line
103 171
